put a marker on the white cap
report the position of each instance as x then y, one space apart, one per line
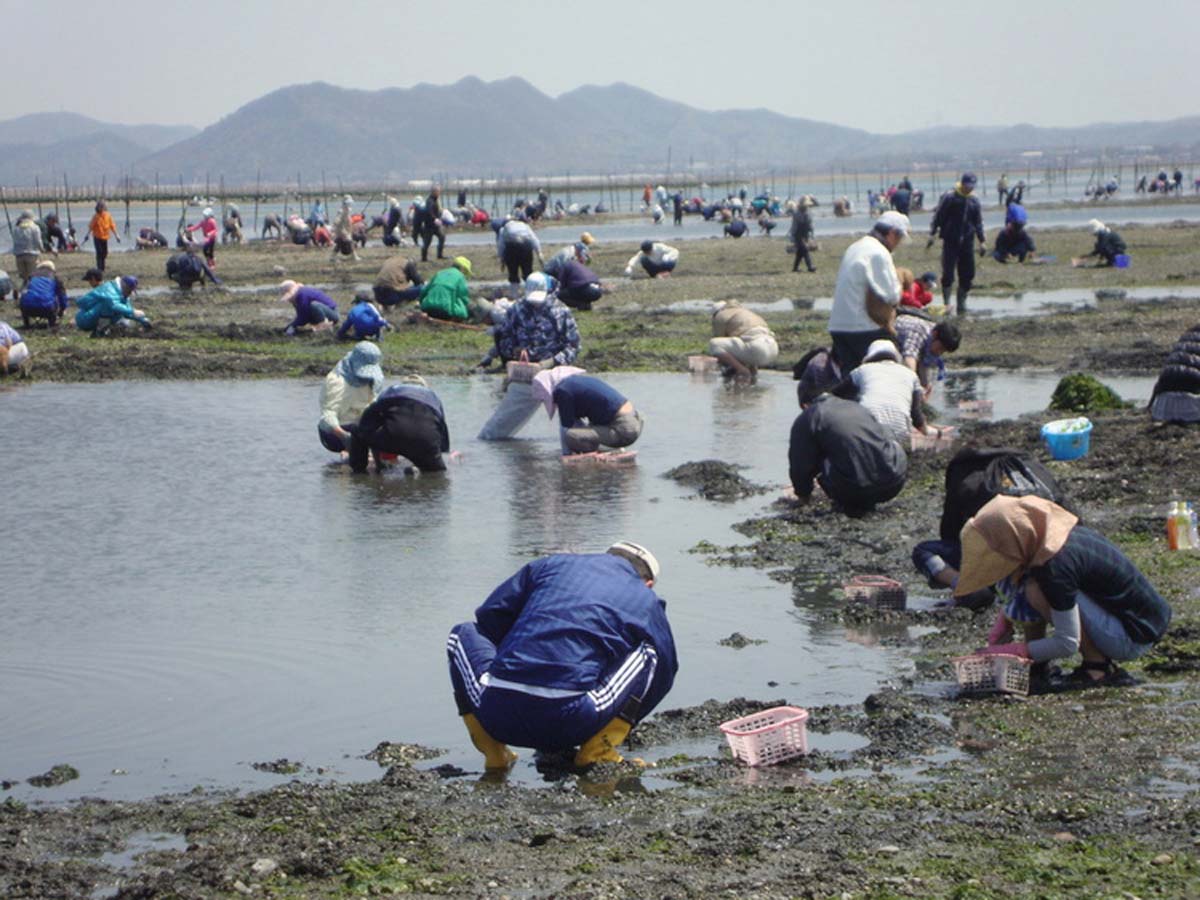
208 211
1097 226
881 349
643 560
893 221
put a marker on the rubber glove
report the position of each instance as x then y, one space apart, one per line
1001 630
1021 650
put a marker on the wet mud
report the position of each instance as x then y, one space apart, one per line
715 480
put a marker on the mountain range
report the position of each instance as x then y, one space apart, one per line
508 128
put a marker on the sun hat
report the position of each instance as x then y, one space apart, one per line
463 264
586 238
1016 214
882 349
45 264
362 363
1097 226
893 221
288 289
643 560
546 381
537 287
981 565
208 211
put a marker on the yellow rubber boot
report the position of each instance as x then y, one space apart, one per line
602 746
495 754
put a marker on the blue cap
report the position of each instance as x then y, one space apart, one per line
968 179
129 281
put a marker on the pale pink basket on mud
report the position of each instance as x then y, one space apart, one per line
1002 672
942 441
703 364
877 590
975 409
769 736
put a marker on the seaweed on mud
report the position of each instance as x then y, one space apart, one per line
1081 393
715 480
60 774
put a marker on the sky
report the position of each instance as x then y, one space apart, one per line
881 66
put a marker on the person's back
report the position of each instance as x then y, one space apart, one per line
44 292
840 443
886 389
733 320
866 266
445 295
580 615
586 397
957 217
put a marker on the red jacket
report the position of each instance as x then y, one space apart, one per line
917 296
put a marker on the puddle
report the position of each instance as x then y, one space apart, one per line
137 844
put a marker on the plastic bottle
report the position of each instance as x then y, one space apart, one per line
1193 530
1183 522
1173 526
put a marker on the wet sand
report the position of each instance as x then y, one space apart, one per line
1069 795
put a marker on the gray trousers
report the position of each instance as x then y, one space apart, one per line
621 432
516 408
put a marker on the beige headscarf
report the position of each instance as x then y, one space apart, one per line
1007 534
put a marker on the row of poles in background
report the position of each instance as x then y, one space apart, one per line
620 193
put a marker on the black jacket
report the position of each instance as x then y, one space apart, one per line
957 217
1182 370
841 440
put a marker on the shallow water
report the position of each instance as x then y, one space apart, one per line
200 589
1039 303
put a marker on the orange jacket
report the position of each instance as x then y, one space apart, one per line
102 226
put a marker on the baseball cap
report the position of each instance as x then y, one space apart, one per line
893 221
968 180
537 286
643 560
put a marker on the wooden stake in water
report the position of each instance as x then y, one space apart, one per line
67 201
127 205
156 225
37 186
257 194
7 218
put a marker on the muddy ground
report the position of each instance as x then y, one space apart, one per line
209 333
1090 794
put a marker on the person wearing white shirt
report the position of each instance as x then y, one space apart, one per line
868 291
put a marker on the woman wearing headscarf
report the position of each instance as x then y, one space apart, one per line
209 230
349 389
591 414
1074 578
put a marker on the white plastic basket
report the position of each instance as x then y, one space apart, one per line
769 736
1001 672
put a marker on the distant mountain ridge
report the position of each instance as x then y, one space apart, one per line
508 128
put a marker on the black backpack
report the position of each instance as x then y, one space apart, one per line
975 476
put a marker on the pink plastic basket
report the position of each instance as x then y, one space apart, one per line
768 737
942 441
702 364
877 590
1002 672
975 409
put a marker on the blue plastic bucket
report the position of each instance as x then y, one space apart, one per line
1121 261
1064 444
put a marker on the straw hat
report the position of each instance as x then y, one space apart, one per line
981 565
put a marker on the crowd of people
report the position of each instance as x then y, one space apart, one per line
580 678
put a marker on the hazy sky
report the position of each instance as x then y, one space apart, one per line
882 65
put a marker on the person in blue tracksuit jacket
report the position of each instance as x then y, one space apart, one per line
364 320
571 651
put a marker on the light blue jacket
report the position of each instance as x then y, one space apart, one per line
104 302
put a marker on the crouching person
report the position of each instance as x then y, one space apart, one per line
14 354
349 388
571 651
840 445
1074 578
590 412
108 306
406 420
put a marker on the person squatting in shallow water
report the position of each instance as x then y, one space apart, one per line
591 413
349 388
572 651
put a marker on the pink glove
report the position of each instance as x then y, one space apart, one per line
1021 650
1001 630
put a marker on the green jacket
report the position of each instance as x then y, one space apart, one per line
445 296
